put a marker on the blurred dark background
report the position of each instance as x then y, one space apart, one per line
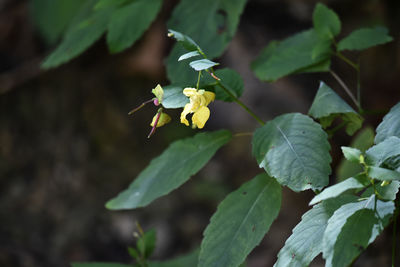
67 144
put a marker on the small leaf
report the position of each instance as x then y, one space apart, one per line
240 223
147 243
305 242
351 154
173 97
365 38
185 40
383 174
326 22
128 23
134 253
202 64
170 170
188 260
346 237
293 149
189 55
362 141
390 126
292 55
337 189
327 105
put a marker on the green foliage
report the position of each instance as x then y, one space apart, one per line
386 150
344 239
53 16
351 154
241 221
390 126
139 14
173 97
202 64
171 169
293 149
326 22
292 55
99 264
305 242
365 38
230 79
212 23
190 259
327 105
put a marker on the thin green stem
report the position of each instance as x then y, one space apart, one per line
198 81
348 61
243 134
241 104
346 88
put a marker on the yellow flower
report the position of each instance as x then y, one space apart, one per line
199 100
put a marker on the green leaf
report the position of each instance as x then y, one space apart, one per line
190 259
305 242
337 189
327 105
294 149
147 243
212 23
322 50
365 38
352 228
128 23
53 16
386 192
185 40
383 174
99 264
292 55
87 28
170 170
390 126
134 253
173 97
230 79
352 154
326 22
240 223
362 141
188 55
202 64
384 151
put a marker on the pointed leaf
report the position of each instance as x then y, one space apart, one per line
202 64
128 23
305 242
365 38
211 23
326 22
171 169
294 149
173 97
390 126
386 192
337 189
345 237
352 154
327 105
189 55
384 151
147 243
240 223
383 174
289 56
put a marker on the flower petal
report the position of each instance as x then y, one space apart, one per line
189 92
209 96
158 92
185 112
200 117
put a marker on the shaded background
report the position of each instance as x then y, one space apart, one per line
67 144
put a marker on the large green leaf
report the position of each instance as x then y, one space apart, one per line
362 141
383 174
294 149
384 151
53 16
240 223
352 228
327 105
365 38
305 242
129 22
390 126
289 56
386 192
171 169
337 189
326 22
173 97
87 28
211 23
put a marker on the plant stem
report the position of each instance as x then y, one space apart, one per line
240 103
198 81
243 134
346 89
348 61
396 213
